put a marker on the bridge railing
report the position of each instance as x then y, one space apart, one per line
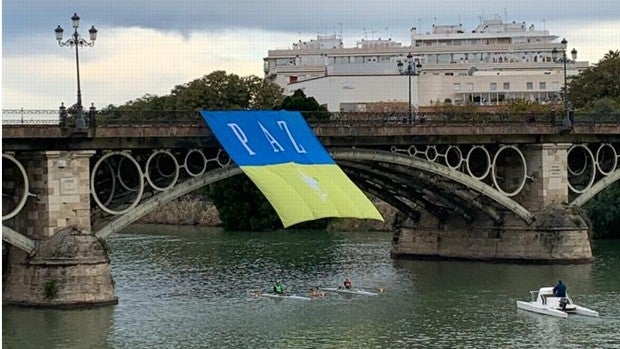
30 117
193 117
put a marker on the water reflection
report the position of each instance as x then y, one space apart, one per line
45 328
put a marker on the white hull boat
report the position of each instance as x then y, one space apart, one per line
545 302
282 296
348 290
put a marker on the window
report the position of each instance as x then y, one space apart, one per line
542 85
456 87
555 86
493 86
469 87
529 85
506 86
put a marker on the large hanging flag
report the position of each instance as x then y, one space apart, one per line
288 164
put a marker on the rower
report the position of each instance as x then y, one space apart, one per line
347 283
278 288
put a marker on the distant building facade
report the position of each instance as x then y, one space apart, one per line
491 65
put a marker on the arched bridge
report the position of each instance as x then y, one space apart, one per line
485 187
454 172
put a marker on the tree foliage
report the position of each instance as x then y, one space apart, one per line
215 91
597 90
310 108
242 206
604 213
601 81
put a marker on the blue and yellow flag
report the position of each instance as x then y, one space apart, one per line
283 157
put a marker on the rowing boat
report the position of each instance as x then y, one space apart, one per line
349 291
286 296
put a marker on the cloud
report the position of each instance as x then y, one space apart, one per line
127 63
591 39
130 61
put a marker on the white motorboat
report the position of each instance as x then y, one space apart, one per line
544 301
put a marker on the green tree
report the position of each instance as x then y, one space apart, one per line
601 81
310 108
604 213
242 206
215 91
597 90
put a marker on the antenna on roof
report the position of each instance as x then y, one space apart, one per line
544 24
505 15
340 24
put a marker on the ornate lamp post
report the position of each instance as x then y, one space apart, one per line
77 41
564 60
410 68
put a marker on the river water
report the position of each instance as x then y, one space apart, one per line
190 287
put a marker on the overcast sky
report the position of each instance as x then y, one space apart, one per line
149 46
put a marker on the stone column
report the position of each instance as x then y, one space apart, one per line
547 166
70 266
62 182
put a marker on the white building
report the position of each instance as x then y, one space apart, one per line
492 64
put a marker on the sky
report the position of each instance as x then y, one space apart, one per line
150 46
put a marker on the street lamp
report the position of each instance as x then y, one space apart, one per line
77 41
412 68
564 60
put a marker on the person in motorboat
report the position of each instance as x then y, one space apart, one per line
560 291
347 283
278 288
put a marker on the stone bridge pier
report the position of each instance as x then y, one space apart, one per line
554 232
68 266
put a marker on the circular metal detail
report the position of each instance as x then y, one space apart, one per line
494 170
140 188
600 154
223 159
487 158
119 174
454 153
431 153
157 155
187 164
22 200
588 160
412 151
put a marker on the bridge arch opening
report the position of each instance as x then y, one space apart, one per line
454 157
195 163
118 168
606 159
222 158
512 160
15 186
581 168
162 170
478 162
